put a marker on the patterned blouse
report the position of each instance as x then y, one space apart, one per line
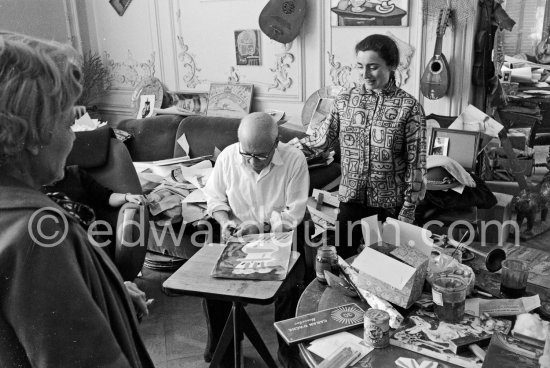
382 138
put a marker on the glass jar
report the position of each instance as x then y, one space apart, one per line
327 259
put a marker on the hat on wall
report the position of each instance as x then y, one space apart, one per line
440 179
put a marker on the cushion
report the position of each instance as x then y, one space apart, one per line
91 148
153 137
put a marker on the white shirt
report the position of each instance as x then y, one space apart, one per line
281 187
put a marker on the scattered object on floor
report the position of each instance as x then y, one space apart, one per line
159 262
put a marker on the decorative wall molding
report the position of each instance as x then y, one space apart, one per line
406 52
130 72
234 76
339 74
190 68
281 78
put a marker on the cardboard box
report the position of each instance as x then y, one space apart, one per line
398 276
501 212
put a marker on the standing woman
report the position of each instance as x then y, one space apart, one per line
381 130
62 301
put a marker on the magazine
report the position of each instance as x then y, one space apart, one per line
422 332
255 257
321 323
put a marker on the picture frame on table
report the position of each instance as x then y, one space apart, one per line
229 100
461 145
120 6
369 13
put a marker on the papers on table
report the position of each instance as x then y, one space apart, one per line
472 114
326 346
87 123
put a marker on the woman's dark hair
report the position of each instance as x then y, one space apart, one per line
383 45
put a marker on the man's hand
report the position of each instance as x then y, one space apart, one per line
138 298
247 228
229 228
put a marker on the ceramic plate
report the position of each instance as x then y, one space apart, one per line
148 86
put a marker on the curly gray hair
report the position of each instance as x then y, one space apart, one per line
40 83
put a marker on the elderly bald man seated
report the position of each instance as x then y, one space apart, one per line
258 185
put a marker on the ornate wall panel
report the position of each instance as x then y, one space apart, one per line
190 43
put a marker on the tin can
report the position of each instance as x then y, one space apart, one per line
327 259
377 328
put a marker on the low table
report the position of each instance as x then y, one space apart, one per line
193 278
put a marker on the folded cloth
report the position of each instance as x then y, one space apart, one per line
412 363
453 167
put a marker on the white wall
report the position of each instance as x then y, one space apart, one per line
41 18
188 44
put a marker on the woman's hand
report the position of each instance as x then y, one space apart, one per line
296 143
79 111
138 297
134 198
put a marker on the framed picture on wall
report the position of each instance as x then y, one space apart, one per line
229 100
120 5
369 13
247 47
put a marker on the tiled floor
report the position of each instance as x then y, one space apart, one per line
175 330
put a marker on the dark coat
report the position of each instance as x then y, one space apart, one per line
63 305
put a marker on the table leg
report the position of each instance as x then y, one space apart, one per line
225 339
256 339
239 323
236 311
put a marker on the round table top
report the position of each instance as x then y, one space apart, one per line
317 297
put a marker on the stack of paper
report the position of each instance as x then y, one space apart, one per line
87 123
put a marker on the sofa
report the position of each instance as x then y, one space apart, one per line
155 138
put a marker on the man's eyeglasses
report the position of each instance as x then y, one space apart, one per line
258 156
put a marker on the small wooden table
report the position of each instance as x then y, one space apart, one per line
193 278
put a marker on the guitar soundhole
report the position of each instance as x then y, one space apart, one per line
288 7
436 67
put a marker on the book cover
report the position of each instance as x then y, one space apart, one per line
424 333
506 351
318 324
255 257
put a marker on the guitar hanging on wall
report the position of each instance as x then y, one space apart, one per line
435 81
281 20
542 51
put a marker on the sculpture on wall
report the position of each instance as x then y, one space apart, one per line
130 72
281 78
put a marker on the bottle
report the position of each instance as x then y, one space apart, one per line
327 259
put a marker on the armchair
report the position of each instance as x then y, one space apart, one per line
107 160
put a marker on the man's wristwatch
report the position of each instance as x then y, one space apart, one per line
267 227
